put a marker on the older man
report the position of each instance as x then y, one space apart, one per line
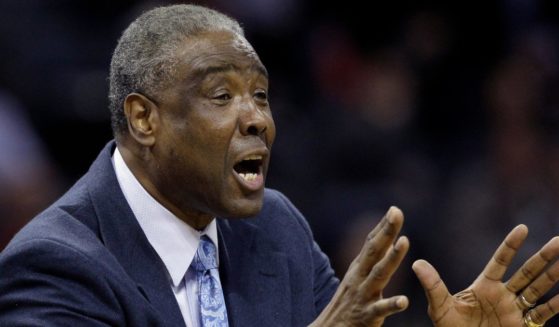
137 240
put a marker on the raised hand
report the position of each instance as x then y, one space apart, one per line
358 300
491 302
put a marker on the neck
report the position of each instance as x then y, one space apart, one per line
137 161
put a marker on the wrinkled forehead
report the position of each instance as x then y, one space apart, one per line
219 50
240 43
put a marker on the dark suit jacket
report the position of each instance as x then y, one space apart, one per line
85 261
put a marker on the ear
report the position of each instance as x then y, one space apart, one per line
143 118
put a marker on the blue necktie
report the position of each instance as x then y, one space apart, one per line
210 294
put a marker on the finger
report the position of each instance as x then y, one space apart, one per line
379 240
435 289
541 285
533 267
382 272
543 312
383 308
497 266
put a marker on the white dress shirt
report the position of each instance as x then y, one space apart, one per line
173 240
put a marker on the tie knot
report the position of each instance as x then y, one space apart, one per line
206 255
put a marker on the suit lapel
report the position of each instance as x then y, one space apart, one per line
123 236
255 276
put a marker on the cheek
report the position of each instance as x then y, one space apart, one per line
271 133
204 139
207 152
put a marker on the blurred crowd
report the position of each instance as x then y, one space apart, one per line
449 110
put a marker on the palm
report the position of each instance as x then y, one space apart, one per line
489 301
484 303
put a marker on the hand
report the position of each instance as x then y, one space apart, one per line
358 300
490 301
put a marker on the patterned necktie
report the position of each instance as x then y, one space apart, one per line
210 294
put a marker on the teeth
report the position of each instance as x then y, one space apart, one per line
249 177
254 157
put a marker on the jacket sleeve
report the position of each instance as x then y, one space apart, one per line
47 283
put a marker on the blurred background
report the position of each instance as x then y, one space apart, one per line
449 110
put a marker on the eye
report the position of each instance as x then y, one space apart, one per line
261 95
221 97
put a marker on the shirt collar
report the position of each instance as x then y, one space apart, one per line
175 241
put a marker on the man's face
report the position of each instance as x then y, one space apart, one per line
213 146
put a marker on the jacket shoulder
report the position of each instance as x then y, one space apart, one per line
279 212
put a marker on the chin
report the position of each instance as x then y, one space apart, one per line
244 208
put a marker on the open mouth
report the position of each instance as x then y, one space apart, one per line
250 168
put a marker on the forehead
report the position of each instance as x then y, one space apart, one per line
218 51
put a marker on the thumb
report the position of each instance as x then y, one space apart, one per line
434 287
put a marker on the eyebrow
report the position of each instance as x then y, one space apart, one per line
205 71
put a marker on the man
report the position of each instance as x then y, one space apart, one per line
136 241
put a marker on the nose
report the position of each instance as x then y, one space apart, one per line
253 121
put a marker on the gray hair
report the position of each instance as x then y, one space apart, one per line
145 56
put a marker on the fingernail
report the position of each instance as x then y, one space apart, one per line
401 302
398 244
389 214
416 265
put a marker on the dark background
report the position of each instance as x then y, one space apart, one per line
448 109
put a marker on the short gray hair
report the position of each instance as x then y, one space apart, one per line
145 56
